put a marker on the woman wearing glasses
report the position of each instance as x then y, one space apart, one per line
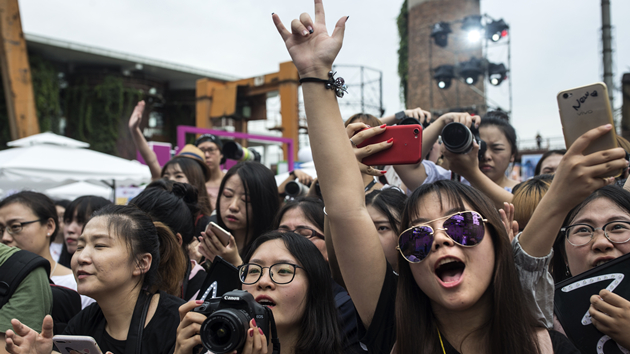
287 273
458 287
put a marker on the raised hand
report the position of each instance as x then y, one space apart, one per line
24 340
313 51
136 117
357 135
188 329
507 217
210 246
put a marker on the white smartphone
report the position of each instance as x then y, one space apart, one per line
222 234
76 345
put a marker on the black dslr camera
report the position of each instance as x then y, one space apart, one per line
458 139
225 329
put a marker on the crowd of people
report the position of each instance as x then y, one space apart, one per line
437 265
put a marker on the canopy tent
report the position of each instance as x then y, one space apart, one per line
46 160
74 190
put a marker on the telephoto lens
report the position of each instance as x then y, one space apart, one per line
295 189
457 138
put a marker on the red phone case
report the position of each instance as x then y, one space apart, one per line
406 150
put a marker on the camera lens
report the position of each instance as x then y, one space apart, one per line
457 138
224 331
416 131
566 95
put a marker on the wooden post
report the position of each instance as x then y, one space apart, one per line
16 73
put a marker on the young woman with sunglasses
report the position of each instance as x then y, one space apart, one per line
116 263
285 271
461 288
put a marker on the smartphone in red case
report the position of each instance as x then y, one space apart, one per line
406 150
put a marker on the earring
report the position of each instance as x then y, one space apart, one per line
568 271
48 234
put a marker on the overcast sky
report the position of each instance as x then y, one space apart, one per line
555 43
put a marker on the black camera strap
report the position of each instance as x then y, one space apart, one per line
136 327
274 333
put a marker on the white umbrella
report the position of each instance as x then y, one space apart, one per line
46 161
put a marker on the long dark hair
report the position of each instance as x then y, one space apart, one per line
194 175
390 202
312 208
319 329
142 235
617 195
42 206
510 327
538 168
500 120
260 186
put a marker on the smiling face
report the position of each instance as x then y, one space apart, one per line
454 277
287 301
234 205
597 213
34 237
174 173
295 218
498 155
102 263
387 236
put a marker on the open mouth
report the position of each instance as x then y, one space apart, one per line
603 261
267 302
450 270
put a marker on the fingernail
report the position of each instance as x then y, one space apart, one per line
305 33
272 13
254 322
391 140
383 126
251 332
472 114
310 29
607 126
199 302
347 18
260 330
383 172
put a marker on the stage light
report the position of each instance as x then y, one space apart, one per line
496 73
496 30
444 75
470 70
440 32
473 27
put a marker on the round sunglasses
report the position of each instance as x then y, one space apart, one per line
465 228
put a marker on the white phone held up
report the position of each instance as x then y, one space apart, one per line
76 345
221 233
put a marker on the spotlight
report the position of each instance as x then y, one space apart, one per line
496 30
496 73
443 75
470 70
472 25
440 32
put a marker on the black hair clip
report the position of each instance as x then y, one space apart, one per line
336 84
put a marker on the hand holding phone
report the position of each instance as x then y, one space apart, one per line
405 150
219 232
76 345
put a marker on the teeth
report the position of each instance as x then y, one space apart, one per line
446 260
601 262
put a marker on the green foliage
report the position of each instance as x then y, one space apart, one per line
94 112
403 51
46 89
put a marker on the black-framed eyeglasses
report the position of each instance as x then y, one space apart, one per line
16 228
211 150
582 234
280 273
304 231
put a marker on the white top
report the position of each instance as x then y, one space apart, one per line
55 250
68 281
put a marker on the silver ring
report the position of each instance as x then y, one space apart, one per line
352 142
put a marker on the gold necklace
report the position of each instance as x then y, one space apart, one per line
442 344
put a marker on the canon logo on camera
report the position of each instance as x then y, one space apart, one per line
233 298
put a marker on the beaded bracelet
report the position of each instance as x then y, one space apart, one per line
336 84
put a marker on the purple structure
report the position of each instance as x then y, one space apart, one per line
183 129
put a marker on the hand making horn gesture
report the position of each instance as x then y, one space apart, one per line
313 51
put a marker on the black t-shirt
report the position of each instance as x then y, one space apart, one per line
158 336
380 337
347 319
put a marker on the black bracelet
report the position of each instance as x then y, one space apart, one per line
338 84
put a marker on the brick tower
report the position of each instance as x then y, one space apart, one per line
424 55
